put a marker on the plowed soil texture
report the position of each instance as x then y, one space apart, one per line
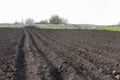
41 54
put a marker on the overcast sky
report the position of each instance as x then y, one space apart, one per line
101 12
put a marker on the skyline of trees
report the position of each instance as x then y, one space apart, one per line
54 19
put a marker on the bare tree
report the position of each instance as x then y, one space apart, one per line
29 21
44 22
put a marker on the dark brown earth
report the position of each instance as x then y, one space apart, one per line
39 54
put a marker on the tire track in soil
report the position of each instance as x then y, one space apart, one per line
20 73
54 73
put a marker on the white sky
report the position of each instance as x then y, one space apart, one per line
101 12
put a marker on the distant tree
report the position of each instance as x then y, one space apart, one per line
17 22
55 19
44 22
29 21
64 21
118 24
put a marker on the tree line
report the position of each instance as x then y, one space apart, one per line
55 19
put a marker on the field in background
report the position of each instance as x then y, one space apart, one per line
62 26
110 28
11 25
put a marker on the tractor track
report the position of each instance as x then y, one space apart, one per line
20 73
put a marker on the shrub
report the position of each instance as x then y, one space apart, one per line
29 21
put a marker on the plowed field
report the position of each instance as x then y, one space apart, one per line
41 54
